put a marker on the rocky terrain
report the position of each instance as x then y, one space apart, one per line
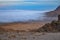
29 36
54 26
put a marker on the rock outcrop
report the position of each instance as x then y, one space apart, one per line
54 26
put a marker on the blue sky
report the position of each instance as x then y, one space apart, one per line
29 4
29 0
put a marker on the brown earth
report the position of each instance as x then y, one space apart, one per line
22 26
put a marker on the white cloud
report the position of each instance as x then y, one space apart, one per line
20 15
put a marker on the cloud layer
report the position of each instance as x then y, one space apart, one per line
20 15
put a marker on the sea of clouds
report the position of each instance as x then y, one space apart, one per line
21 15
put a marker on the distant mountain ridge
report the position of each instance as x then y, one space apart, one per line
53 13
58 8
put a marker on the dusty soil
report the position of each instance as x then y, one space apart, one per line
29 36
13 35
23 26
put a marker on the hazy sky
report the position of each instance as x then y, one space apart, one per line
7 2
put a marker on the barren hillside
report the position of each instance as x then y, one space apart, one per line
22 26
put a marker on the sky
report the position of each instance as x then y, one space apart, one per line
29 4
23 10
29 0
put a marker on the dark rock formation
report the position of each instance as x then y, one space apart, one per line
58 17
54 26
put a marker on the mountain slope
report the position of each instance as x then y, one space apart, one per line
22 26
53 13
54 26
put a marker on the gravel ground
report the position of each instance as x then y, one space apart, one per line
29 36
